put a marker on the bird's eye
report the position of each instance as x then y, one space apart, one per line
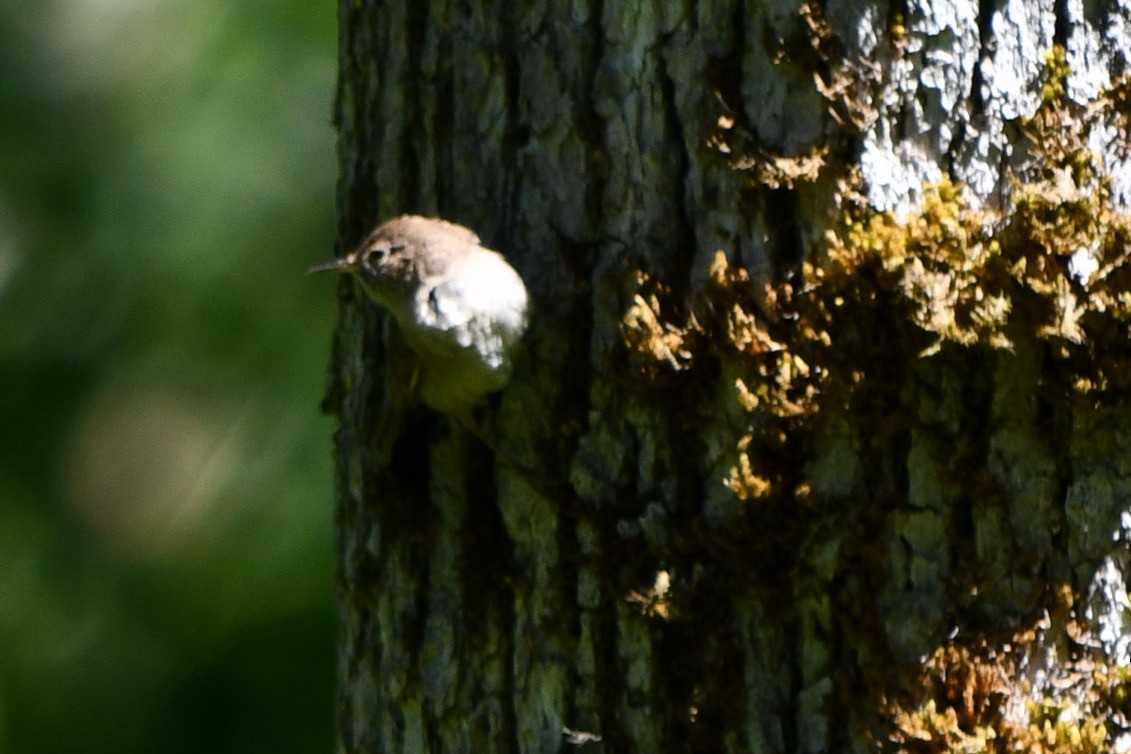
373 257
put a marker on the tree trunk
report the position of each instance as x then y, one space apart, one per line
819 442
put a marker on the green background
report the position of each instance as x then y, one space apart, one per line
166 562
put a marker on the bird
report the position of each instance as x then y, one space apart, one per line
460 307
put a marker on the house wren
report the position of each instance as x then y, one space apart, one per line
460 307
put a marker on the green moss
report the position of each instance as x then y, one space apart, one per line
949 274
971 697
1055 75
1050 274
898 28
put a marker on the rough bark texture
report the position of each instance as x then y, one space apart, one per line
593 571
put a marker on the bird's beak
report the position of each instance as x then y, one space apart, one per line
347 263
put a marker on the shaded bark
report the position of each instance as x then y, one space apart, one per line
592 571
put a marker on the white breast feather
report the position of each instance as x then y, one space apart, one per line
482 306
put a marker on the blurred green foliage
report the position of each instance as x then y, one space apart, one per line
166 566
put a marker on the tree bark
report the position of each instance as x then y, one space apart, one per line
669 544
